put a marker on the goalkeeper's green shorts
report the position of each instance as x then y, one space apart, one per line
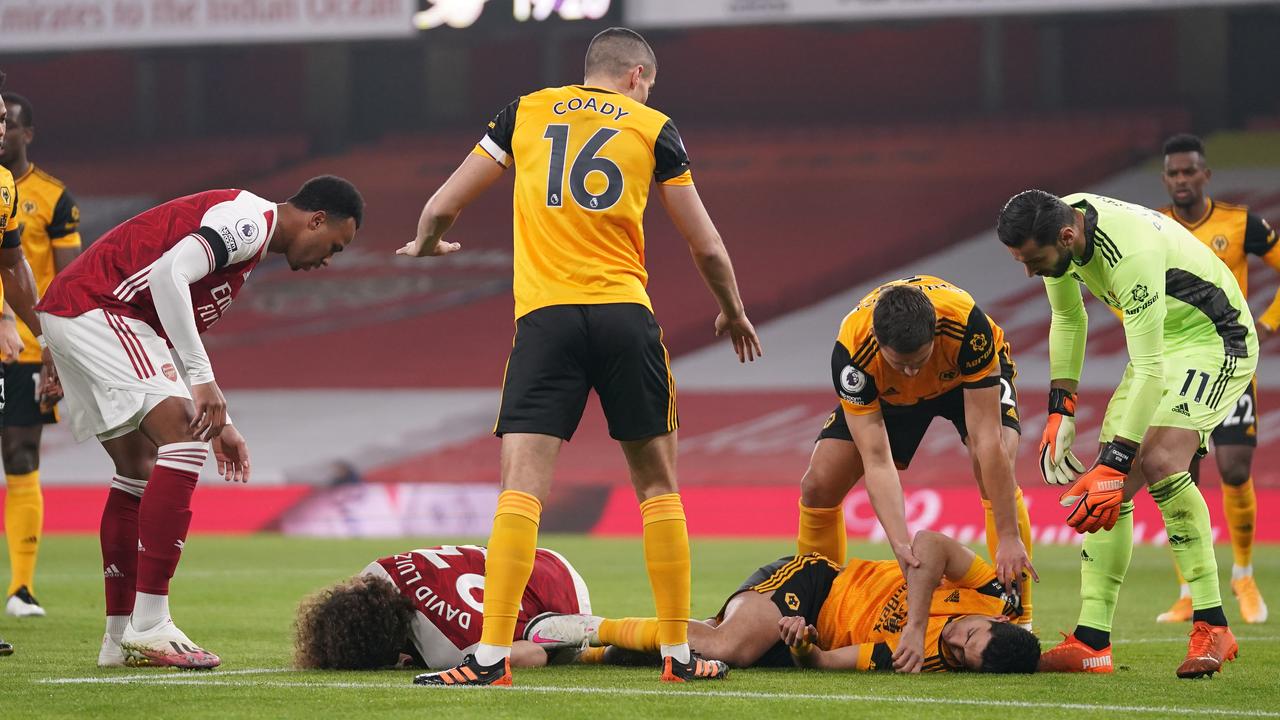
1201 390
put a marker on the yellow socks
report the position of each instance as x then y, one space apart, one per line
639 634
23 520
822 531
666 555
1240 504
508 564
1024 531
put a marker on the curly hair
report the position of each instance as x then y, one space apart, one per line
360 624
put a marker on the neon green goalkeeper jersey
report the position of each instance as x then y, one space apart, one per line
1176 297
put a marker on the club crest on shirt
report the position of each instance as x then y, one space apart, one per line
29 207
170 372
1219 243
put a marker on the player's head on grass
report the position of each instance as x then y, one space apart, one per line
19 128
360 624
903 322
620 59
320 220
1186 171
983 643
1041 231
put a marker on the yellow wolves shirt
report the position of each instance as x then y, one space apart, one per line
584 160
966 351
50 219
867 606
10 226
1233 234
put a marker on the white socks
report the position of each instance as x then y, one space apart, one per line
679 652
149 611
486 654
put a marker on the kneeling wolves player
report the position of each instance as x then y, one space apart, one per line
159 280
426 604
805 610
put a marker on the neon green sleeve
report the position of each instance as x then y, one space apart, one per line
1138 283
1068 329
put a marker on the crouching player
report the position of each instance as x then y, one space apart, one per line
950 613
425 606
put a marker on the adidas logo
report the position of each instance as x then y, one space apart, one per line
1084 556
1183 410
1179 539
180 544
1094 662
891 391
112 572
31 540
954 597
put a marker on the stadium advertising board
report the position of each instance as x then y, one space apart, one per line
682 13
460 14
64 25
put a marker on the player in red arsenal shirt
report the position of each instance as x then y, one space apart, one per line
157 281
427 605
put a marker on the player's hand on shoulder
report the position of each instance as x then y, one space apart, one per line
420 247
743 335
232 453
210 411
10 341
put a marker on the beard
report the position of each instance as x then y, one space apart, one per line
1060 269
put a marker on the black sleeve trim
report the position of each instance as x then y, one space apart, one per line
12 239
1259 238
978 346
66 217
852 383
503 126
670 158
221 253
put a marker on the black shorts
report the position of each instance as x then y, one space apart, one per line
561 352
800 584
906 425
1241 426
21 400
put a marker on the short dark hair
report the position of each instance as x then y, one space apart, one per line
1183 143
616 50
1012 649
28 112
1033 214
903 319
332 194
360 624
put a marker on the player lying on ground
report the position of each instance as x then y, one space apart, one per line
424 607
851 619
153 282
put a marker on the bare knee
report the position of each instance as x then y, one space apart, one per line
833 469
1159 463
21 453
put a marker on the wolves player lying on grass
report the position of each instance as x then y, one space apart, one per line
805 610
425 606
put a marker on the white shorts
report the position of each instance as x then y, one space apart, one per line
114 370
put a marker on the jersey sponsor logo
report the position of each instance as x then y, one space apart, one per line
1142 295
1219 243
954 597
247 230
220 300
169 371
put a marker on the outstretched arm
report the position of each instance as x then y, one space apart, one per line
476 173
712 260
939 556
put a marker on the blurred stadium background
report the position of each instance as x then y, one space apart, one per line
837 144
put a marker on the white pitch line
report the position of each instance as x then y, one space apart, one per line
161 676
732 694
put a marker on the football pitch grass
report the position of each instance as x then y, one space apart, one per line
237 597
